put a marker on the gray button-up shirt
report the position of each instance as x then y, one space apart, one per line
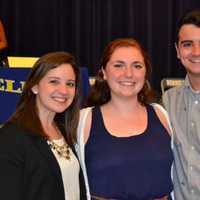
183 106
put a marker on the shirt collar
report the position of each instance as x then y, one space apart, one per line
188 86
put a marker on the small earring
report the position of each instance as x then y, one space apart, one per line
35 92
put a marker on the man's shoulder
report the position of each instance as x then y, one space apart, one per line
172 97
173 92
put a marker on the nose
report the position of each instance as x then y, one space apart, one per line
128 71
63 89
196 50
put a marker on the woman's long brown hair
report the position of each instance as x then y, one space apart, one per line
26 114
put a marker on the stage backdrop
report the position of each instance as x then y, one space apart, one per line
84 27
11 84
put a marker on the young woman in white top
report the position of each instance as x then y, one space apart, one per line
37 159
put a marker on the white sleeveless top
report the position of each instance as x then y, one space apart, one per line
70 172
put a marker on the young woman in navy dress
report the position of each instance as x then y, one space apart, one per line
124 140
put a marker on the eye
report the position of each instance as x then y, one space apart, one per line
71 83
138 65
186 44
118 65
54 81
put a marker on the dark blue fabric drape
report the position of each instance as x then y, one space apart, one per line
84 27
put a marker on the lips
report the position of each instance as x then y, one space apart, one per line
194 59
127 83
60 99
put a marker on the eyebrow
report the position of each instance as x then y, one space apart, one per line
55 77
183 41
118 61
140 62
135 62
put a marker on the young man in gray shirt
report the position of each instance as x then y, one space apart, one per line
183 106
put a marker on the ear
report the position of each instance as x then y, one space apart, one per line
177 51
35 89
104 73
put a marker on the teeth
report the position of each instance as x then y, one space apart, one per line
127 83
194 60
59 99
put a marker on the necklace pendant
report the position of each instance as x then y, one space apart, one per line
63 151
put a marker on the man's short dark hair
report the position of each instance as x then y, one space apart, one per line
191 17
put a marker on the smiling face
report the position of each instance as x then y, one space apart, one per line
56 90
125 72
188 49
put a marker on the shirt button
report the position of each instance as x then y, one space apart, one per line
182 183
196 102
191 168
192 147
192 191
192 124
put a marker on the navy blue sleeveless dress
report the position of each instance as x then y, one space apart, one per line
129 168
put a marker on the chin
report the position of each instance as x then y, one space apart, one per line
128 95
193 70
60 110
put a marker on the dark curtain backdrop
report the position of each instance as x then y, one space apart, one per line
84 27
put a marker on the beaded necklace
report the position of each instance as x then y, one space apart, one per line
62 150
